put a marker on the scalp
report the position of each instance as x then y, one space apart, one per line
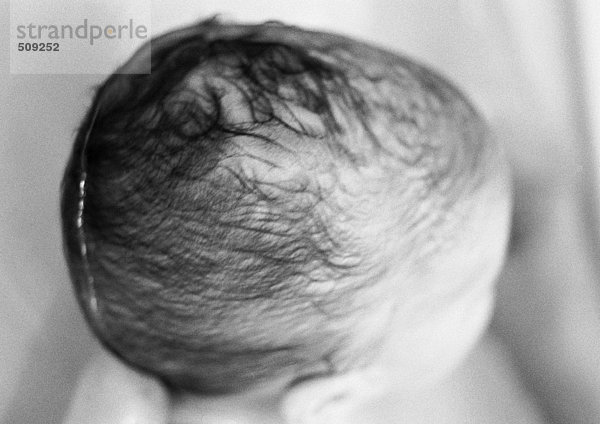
229 196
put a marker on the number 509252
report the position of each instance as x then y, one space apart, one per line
38 47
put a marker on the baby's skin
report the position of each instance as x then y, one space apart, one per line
281 226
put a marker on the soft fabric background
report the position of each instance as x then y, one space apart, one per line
532 67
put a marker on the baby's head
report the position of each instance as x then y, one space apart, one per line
273 204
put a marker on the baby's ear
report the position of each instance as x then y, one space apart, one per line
326 400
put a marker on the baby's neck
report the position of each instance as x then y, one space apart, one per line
254 406
472 390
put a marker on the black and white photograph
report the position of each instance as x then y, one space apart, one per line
300 212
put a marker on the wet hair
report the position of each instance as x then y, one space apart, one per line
214 210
